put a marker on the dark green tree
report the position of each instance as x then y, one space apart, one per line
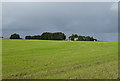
36 37
53 36
33 37
27 37
87 38
73 36
46 36
58 36
80 38
15 36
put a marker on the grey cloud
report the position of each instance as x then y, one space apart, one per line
69 17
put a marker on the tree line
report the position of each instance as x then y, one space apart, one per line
55 36
81 38
48 36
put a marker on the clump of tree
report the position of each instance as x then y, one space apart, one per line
58 36
81 38
15 36
33 37
55 36
48 36
73 37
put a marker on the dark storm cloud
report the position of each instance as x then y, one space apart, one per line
90 18
0 19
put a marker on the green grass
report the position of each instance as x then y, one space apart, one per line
42 59
0 59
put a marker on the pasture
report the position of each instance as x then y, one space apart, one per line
47 59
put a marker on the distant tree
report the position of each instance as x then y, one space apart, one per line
80 38
46 36
58 36
95 40
27 37
15 36
53 36
87 38
1 37
91 39
73 36
33 37
37 37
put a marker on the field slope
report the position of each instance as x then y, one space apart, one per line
42 59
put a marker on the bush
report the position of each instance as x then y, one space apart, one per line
15 36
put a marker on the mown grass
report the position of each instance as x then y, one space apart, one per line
44 59
0 59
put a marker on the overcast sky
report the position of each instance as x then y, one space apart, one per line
97 19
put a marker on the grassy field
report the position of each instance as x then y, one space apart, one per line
42 59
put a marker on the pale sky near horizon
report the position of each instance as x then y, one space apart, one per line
97 19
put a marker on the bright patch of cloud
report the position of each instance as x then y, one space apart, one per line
114 7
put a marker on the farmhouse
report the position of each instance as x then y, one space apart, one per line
75 39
